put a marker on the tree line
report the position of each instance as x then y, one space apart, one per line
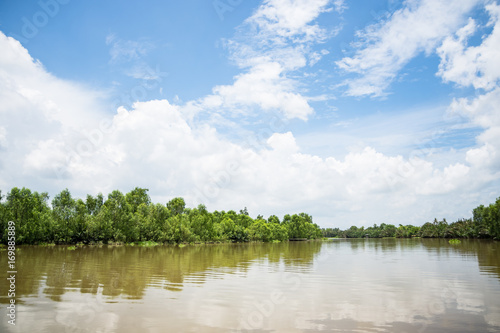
485 223
132 217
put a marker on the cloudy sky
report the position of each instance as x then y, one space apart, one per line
356 112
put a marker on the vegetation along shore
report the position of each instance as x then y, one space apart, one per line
133 218
485 223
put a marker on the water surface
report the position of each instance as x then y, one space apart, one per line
384 285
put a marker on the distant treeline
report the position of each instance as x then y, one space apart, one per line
485 223
132 217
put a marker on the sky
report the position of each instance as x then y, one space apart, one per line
355 112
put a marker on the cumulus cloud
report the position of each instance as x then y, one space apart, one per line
278 19
270 45
36 108
265 87
476 66
483 112
386 47
26 84
283 143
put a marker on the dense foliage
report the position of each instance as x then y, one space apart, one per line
485 223
132 217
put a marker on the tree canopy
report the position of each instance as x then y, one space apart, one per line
132 217
485 223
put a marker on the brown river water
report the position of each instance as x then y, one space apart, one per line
364 285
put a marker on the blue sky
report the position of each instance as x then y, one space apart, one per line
355 112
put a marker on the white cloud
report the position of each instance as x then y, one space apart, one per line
472 65
387 46
483 112
482 156
290 19
270 45
25 84
283 143
445 181
36 108
127 50
340 5
3 137
129 57
314 57
264 86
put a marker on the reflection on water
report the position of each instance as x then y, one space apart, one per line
128 271
364 285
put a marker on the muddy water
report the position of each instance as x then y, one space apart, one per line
386 285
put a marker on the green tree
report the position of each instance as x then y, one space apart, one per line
355 232
202 225
4 219
180 228
100 227
387 230
120 214
31 214
374 232
64 217
463 228
176 206
93 205
428 230
279 232
407 231
80 222
492 219
156 224
273 219
480 226
233 227
226 229
332 232
244 211
243 220
260 231
136 197
301 226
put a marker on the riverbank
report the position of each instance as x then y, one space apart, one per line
133 218
484 224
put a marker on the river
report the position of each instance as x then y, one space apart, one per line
363 285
